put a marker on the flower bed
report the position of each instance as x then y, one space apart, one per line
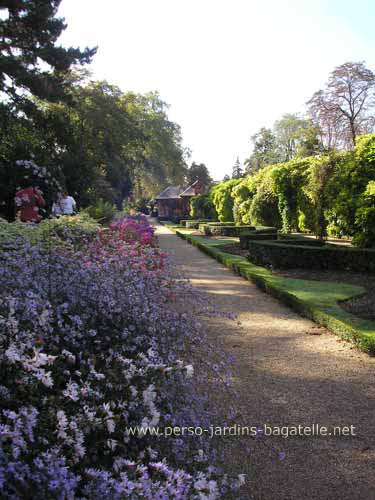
90 347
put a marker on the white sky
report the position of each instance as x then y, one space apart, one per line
226 67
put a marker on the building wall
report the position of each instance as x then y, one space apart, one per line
173 207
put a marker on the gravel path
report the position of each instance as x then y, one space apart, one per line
289 372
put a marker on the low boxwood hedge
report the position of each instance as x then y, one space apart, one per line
310 257
253 235
299 239
233 231
266 229
221 223
178 218
194 224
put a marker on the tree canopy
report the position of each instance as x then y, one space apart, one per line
345 108
28 34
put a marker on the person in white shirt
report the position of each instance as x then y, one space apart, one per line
65 205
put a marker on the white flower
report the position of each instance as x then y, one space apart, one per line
62 424
111 425
189 371
111 443
241 479
71 391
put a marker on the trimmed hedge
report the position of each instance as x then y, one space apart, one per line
233 231
194 224
221 223
260 233
253 235
309 257
304 243
178 218
299 239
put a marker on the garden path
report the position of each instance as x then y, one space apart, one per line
288 372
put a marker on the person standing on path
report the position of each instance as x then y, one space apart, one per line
66 204
28 201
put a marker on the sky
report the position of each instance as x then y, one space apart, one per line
225 67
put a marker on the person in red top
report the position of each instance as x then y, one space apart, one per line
29 200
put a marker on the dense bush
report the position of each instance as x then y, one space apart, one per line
102 211
223 200
91 345
365 218
311 257
323 194
202 207
74 230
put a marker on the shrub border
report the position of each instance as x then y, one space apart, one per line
323 309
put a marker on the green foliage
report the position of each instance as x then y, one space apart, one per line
102 211
365 218
329 194
202 207
265 151
74 230
223 200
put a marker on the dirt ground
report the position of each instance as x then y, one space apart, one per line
288 372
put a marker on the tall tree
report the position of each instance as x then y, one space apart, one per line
237 171
265 150
295 136
346 107
28 34
199 172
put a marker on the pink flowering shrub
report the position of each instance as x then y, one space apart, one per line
134 230
91 345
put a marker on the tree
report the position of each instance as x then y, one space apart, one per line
345 108
237 171
265 151
28 34
296 136
199 172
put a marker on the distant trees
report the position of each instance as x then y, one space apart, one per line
237 171
199 172
346 107
265 150
337 115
